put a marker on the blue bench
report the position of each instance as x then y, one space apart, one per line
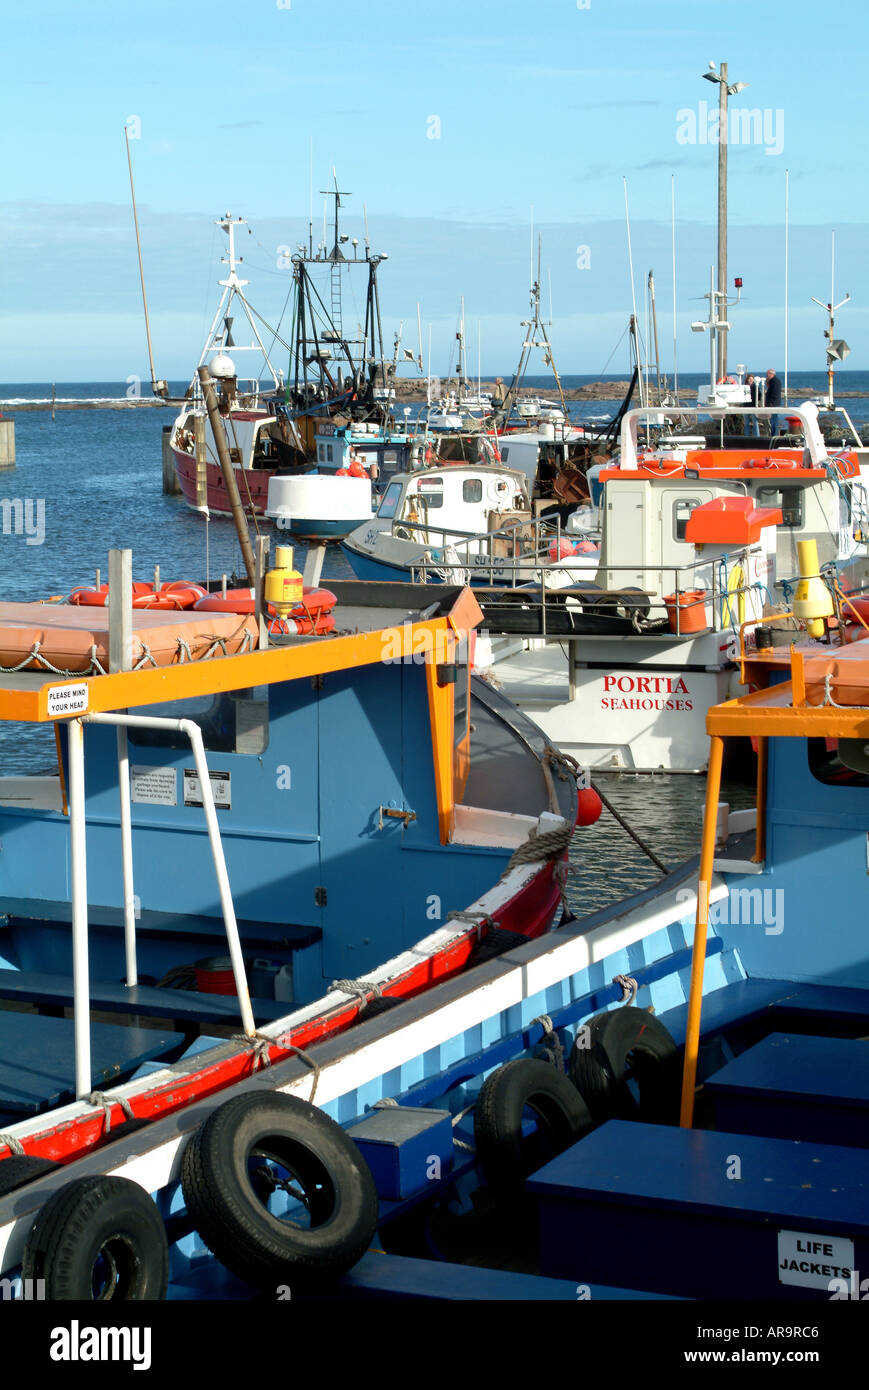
378 1275
108 996
795 1086
703 1214
758 1005
37 1058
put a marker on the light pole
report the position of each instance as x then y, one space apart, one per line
713 75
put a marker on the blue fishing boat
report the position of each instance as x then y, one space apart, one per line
663 1099
245 845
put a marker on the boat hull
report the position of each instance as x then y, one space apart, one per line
252 483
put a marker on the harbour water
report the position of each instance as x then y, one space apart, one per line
90 480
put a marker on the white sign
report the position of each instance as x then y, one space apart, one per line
64 700
154 786
812 1260
220 786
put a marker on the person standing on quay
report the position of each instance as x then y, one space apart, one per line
756 398
773 398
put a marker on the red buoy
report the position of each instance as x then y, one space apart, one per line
588 806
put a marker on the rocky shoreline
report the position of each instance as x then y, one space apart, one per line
410 392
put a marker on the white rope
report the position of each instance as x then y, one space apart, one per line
828 696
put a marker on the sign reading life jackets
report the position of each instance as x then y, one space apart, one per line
63 700
153 786
812 1260
220 787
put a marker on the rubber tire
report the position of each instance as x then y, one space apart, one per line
599 1071
121 1131
561 1112
21 1169
381 1005
78 1221
496 941
223 1203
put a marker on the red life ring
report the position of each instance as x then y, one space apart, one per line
302 626
852 612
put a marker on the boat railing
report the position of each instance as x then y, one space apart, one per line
700 596
505 555
78 871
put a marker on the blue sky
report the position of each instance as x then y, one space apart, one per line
545 106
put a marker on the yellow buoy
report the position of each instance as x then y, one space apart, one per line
813 601
283 586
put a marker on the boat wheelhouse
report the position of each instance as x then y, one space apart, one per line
695 540
460 520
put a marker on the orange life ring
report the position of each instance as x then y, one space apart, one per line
168 598
314 602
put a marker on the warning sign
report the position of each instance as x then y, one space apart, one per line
154 786
64 700
220 787
812 1260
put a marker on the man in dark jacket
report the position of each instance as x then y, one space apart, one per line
773 398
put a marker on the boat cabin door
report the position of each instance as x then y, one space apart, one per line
675 507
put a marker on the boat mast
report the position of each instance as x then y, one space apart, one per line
536 337
159 388
655 334
837 348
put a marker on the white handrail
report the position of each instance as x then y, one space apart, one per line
194 733
807 412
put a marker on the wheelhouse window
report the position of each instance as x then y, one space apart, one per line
791 500
430 492
233 722
472 490
390 501
682 509
839 763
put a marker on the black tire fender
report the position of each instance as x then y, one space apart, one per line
561 1114
379 1005
99 1239
226 1178
21 1169
623 1044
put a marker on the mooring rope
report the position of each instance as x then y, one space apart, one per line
103 1103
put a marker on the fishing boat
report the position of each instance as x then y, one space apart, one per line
697 537
464 523
336 394
246 842
560 1122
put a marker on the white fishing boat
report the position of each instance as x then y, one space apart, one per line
695 542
